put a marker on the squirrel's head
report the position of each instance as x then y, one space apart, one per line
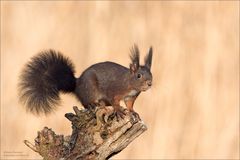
141 74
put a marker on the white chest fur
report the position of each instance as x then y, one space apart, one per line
132 93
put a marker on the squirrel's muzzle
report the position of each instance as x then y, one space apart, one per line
147 85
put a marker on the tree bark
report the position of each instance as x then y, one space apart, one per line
96 134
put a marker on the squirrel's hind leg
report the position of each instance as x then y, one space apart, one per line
87 91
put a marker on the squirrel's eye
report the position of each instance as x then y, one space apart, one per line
139 75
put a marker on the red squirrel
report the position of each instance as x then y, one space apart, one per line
102 84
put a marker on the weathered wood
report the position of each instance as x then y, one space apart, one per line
97 134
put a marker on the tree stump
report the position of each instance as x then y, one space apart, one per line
96 134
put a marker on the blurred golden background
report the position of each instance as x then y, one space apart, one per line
192 110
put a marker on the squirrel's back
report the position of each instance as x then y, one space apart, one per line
107 70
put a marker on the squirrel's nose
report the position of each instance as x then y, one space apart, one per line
149 83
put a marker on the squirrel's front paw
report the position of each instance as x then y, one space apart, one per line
119 114
135 115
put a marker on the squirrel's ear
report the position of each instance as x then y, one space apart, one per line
134 58
133 68
148 58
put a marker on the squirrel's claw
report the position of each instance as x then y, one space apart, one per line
135 115
119 114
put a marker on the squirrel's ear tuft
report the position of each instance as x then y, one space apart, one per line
148 58
134 58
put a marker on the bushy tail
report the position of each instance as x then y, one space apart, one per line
43 78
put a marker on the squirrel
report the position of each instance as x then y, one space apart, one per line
102 84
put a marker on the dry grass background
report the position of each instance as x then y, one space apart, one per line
192 111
